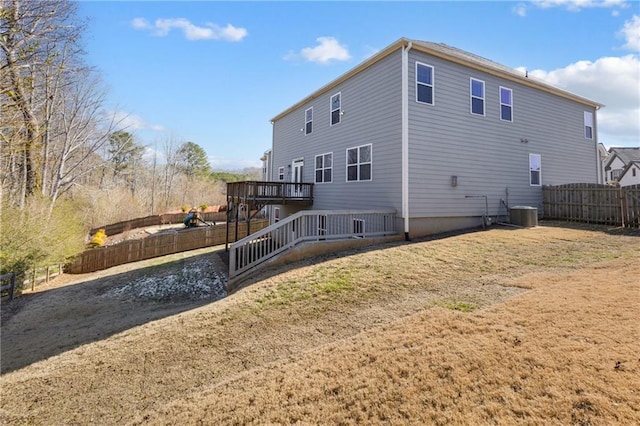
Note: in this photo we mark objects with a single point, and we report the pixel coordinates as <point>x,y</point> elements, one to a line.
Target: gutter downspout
<point>405,138</point>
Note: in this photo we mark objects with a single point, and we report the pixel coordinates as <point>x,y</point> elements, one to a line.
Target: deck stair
<point>308,226</point>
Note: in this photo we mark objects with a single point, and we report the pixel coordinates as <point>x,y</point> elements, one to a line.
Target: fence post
<point>13,285</point>
<point>622,199</point>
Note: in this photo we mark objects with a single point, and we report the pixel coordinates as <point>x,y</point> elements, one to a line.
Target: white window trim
<point>540,177</point>
<point>501,103</point>
<point>471,97</point>
<point>588,114</point>
<point>281,173</point>
<point>358,164</point>
<point>308,121</point>
<point>323,168</point>
<point>432,85</point>
<point>331,110</point>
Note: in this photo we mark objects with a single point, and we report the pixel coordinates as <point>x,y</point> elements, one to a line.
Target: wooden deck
<point>262,193</point>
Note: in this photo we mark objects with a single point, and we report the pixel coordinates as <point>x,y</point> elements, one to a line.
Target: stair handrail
<point>265,248</point>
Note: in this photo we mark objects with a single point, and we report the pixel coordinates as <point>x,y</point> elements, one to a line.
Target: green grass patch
<point>326,284</point>
<point>456,305</point>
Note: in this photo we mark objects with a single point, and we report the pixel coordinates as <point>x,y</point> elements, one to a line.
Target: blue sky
<point>215,73</point>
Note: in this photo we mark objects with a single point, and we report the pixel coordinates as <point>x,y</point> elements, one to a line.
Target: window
<point>424,83</point>
<point>506,104</point>
<point>308,121</point>
<point>477,96</point>
<point>280,173</point>
<point>588,125</point>
<point>535,166</point>
<point>276,214</point>
<point>359,163</point>
<point>615,174</point>
<point>633,172</point>
<point>324,168</point>
<point>336,112</point>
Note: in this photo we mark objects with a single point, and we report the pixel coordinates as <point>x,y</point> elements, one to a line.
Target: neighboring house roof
<point>451,54</point>
<point>628,167</point>
<point>625,154</point>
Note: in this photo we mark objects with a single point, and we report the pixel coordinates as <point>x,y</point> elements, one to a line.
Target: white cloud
<point>210,31</point>
<point>132,122</point>
<point>612,81</point>
<point>572,5</point>
<point>631,33</point>
<point>140,24</point>
<point>520,9</point>
<point>327,50</point>
<point>577,5</point>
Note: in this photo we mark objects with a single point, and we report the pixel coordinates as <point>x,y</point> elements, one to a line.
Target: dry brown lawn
<point>529,326</point>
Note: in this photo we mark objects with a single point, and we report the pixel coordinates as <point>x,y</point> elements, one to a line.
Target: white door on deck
<point>296,177</point>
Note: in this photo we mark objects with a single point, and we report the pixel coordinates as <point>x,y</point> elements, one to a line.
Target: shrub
<point>185,208</point>
<point>203,206</point>
<point>99,239</point>
<point>39,235</point>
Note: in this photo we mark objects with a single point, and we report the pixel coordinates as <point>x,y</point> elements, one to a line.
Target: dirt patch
<point>503,326</point>
<point>74,310</point>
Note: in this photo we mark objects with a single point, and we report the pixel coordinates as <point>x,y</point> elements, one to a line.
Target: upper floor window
<point>359,163</point>
<point>424,83</point>
<point>324,168</point>
<point>308,121</point>
<point>535,169</point>
<point>335,108</point>
<point>506,104</point>
<point>477,96</point>
<point>280,173</point>
<point>588,125</point>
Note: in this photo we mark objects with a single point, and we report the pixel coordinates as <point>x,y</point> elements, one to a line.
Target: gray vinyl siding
<point>371,102</point>
<point>485,153</point>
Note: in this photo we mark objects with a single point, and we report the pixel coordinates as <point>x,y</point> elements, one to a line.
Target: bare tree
<point>81,134</point>
<point>35,35</point>
<point>170,168</point>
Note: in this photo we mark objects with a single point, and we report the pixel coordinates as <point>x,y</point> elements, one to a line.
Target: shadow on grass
<point>269,272</point>
<point>607,229</point>
<point>40,325</point>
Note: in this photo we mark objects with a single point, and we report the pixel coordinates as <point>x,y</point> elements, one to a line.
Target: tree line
<point>67,163</point>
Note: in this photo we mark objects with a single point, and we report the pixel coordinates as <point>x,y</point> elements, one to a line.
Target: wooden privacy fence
<point>161,219</point>
<point>156,245</point>
<point>593,203</point>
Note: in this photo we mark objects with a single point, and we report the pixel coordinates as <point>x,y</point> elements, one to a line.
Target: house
<point>623,161</point>
<point>443,136</point>
<point>630,174</point>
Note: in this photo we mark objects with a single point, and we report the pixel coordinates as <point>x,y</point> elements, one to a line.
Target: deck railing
<point>307,226</point>
<point>271,191</point>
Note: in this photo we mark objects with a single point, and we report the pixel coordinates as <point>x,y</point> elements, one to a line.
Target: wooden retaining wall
<point>157,245</point>
<point>161,219</point>
<point>593,203</point>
